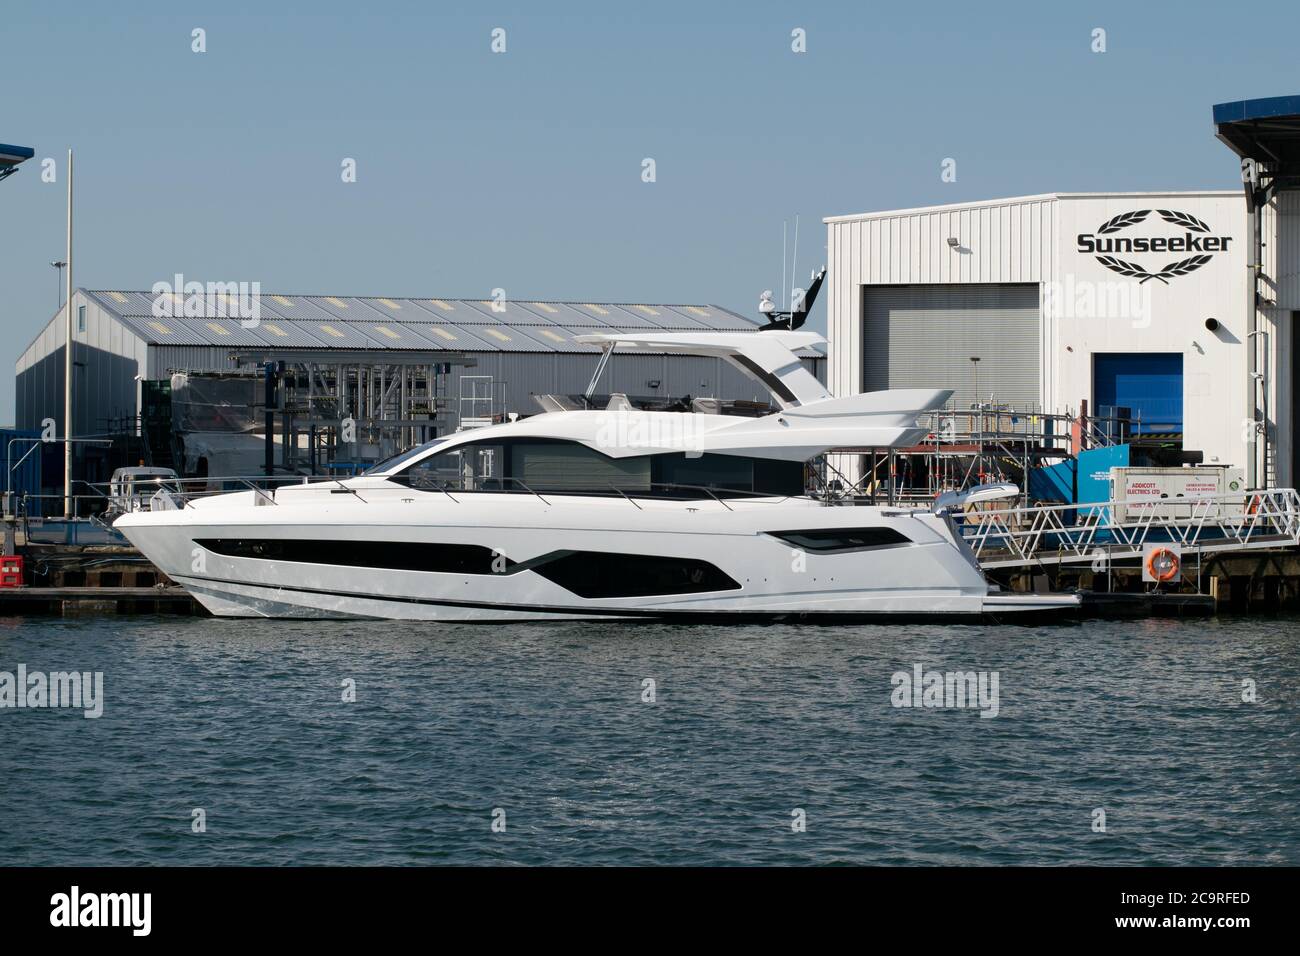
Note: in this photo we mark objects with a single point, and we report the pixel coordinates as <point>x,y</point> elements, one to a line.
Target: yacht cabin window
<point>556,466</point>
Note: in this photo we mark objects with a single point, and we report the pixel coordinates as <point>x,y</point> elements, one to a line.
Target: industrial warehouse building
<point>427,364</point>
<point>1052,326</point>
<point>1180,307</point>
<point>1068,301</point>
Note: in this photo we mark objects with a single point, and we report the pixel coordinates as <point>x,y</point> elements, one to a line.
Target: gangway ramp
<point>1045,535</point>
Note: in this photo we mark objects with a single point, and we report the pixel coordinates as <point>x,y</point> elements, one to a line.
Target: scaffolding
<point>479,398</point>
<point>310,413</point>
<point>988,443</point>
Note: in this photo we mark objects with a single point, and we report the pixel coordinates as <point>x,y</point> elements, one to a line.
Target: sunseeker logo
<point>1195,239</point>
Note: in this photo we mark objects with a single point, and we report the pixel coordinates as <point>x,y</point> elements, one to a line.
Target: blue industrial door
<point>1148,383</point>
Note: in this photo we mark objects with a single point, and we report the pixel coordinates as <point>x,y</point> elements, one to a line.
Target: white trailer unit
<point>1176,492</point>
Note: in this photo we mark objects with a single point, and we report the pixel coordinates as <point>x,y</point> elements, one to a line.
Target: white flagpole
<point>67,365</point>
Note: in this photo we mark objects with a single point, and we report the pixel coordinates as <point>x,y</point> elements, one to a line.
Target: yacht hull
<point>389,553</point>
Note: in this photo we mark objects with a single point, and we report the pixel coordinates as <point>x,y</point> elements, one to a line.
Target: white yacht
<point>598,514</point>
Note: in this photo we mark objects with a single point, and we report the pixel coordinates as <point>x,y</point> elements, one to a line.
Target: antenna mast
<point>794,260</point>
<point>784,223</point>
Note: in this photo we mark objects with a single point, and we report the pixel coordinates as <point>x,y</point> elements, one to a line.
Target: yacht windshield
<point>388,464</point>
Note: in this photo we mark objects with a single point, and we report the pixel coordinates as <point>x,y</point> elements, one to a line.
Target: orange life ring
<point>1162,564</point>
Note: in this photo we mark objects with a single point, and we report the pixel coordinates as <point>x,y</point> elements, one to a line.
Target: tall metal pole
<point>1253,176</point>
<point>1252,304</point>
<point>67,363</point>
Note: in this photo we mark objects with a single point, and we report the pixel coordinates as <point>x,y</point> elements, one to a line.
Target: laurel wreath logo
<point>1123,221</point>
<point>1132,269</point>
<point>1183,219</point>
<point>1173,269</point>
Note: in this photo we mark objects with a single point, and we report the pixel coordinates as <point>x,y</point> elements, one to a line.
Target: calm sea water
<point>1143,720</point>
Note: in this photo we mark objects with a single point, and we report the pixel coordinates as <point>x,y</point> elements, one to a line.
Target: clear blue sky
<point>522,170</point>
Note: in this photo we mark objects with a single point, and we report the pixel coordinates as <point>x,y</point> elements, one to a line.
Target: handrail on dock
<point>1084,532</point>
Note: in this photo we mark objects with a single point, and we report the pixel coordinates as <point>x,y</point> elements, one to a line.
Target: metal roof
<point>13,155</point>
<point>1265,130</point>
<point>1269,106</point>
<point>382,323</point>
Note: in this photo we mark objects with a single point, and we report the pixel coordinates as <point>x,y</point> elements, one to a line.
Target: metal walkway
<point>1088,533</point>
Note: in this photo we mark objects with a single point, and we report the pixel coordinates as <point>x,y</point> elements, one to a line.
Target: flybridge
<point>765,356</point>
<point>1188,242</point>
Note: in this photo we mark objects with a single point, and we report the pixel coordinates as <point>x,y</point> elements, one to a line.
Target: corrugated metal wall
<point>165,359</point>
<point>1280,228</point>
<point>924,336</point>
<point>1005,241</point>
<point>110,356</point>
<point>107,358</point>
<point>1282,224</point>
<point>517,376</point>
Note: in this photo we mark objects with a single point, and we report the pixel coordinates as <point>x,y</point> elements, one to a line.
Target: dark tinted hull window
<point>596,574</point>
<point>832,540</point>
<point>588,574</point>
<point>389,555</point>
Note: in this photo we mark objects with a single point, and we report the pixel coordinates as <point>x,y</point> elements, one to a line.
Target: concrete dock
<point>98,600</point>
<point>1102,604</point>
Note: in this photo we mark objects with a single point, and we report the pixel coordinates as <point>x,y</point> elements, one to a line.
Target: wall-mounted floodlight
<point>12,156</point>
<point>953,242</point>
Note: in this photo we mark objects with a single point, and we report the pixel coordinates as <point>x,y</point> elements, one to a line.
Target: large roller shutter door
<point>923,336</point>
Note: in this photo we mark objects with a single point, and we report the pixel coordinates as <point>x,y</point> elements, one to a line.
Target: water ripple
<point>750,727</point>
